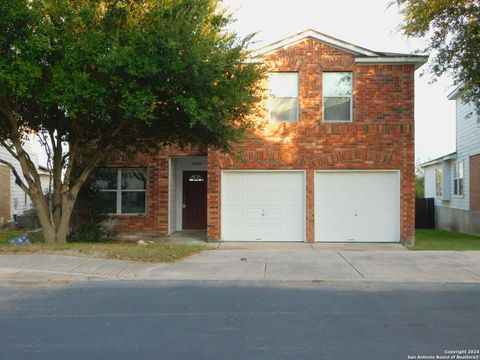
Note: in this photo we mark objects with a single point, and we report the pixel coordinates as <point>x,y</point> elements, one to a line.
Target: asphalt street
<point>202,320</point>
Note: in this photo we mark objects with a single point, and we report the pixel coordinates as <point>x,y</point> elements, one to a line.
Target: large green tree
<point>96,76</point>
<point>452,30</point>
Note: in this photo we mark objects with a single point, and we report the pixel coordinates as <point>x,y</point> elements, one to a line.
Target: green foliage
<point>8,234</point>
<point>92,229</point>
<point>453,31</point>
<point>419,182</point>
<point>159,71</point>
<point>419,187</point>
<point>90,218</point>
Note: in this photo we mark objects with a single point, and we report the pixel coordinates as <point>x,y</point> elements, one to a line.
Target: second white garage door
<point>263,206</point>
<point>361,206</point>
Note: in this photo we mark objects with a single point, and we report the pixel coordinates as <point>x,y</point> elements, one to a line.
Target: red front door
<point>194,200</point>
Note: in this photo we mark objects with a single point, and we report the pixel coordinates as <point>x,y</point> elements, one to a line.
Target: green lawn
<point>155,252</point>
<point>6,235</point>
<point>433,239</point>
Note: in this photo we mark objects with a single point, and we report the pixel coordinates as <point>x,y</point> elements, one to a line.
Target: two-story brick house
<point>332,160</point>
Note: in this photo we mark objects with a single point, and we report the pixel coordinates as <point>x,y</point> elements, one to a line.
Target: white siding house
<point>18,201</point>
<point>454,179</point>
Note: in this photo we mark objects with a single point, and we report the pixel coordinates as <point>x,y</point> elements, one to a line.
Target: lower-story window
<point>122,191</point>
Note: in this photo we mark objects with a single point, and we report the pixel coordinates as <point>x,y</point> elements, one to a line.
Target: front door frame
<point>196,206</point>
<point>176,165</point>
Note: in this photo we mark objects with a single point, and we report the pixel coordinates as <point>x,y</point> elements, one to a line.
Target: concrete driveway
<point>268,262</point>
<point>323,262</point>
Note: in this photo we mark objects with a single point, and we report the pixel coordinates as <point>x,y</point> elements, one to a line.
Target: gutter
<point>418,61</point>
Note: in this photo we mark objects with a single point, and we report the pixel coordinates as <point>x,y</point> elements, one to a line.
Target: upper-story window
<point>337,96</point>
<point>283,96</point>
<point>458,179</point>
<point>438,181</point>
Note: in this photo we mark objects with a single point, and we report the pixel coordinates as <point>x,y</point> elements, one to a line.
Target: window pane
<point>107,201</point>
<point>460,187</point>
<point>336,108</point>
<point>133,202</point>
<point>196,178</point>
<point>283,109</point>
<point>455,187</point>
<point>283,84</point>
<point>337,84</point>
<point>134,179</point>
<point>106,179</point>
<point>460,170</point>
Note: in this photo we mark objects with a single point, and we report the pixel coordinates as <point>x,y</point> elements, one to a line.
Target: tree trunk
<point>48,233</point>
<point>54,229</point>
<point>53,236</point>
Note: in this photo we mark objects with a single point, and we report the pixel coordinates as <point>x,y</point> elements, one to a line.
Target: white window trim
<point>119,192</point>
<point>455,171</point>
<point>270,120</point>
<point>323,102</point>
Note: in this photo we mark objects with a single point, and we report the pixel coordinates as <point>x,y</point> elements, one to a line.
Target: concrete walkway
<point>266,262</point>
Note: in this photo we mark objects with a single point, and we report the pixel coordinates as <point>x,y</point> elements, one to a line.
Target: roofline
<point>417,60</point>
<point>440,159</point>
<point>455,93</point>
<point>316,35</point>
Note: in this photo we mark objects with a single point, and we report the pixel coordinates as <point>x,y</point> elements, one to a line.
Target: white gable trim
<point>315,35</point>
<point>418,60</point>
<point>448,157</point>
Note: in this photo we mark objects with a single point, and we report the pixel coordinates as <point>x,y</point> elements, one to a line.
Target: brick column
<point>213,197</point>
<point>310,206</point>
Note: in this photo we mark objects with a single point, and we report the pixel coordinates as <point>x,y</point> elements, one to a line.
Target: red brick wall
<point>155,219</point>
<point>475,183</point>
<point>381,135</point>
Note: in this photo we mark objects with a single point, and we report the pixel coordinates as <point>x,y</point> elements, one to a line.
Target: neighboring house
<point>13,200</point>
<point>454,179</point>
<point>333,161</point>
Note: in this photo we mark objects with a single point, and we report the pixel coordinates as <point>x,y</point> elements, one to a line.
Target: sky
<point>371,24</point>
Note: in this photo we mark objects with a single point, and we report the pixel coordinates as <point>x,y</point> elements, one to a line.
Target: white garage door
<point>359,206</point>
<point>263,206</point>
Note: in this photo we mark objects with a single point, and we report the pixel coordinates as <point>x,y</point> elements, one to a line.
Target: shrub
<point>89,223</point>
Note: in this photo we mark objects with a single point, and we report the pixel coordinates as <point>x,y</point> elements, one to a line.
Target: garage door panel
<point>357,206</point>
<point>250,195</point>
<point>272,197</point>
<point>272,206</point>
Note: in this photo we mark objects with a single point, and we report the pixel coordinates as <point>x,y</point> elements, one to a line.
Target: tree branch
<point>9,149</point>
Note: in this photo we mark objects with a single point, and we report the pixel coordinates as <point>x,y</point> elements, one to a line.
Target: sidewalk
<point>264,262</point>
